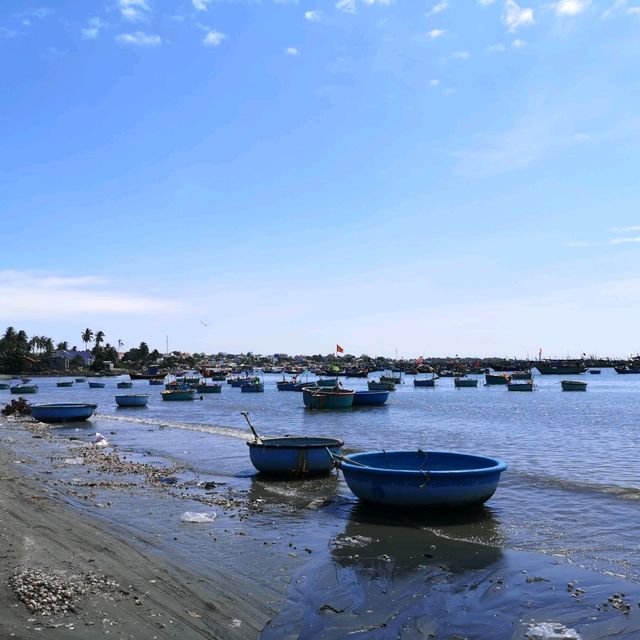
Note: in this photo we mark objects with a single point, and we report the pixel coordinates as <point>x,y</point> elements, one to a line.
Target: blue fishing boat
<point>177,394</point>
<point>465,382</point>
<point>68,412</point>
<point>238,382</point>
<point>325,398</point>
<point>425,382</point>
<point>573,385</point>
<point>24,388</point>
<point>133,400</point>
<point>252,387</point>
<point>327,382</point>
<point>493,379</point>
<point>209,388</point>
<point>370,398</point>
<point>156,381</point>
<point>80,379</point>
<point>96,385</point>
<point>4,385</point>
<point>124,384</point>
<point>422,479</point>
<point>520,386</point>
<point>64,383</point>
<point>380,385</point>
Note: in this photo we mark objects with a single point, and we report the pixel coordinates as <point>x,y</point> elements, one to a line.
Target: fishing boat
<point>491,379</point>
<point>520,386</point>
<point>255,386</point>
<point>177,394</point>
<point>370,398</point>
<point>292,455</point>
<point>24,388</point>
<point>124,384</point>
<point>626,370</point>
<point>68,412</point>
<point>391,378</point>
<point>425,382</point>
<point>325,398</point>
<point>208,388</point>
<point>379,385</point>
<point>156,381</point>
<point>238,382</point>
<point>327,382</point>
<point>465,382</point>
<point>521,375</point>
<point>64,383</point>
<point>595,372</point>
<point>96,385</point>
<point>4,385</point>
<point>133,400</point>
<point>573,385</point>
<point>80,380</point>
<point>560,369</point>
<point>422,479</point>
<point>176,385</point>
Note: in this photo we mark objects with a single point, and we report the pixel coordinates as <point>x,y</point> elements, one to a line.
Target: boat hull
<point>62,412</point>
<point>133,400</point>
<point>422,479</point>
<point>209,388</point>
<point>294,456</point>
<point>465,382</point>
<point>370,398</point>
<point>375,385</point>
<point>572,385</point>
<point>65,384</point>
<point>523,386</point>
<point>252,388</point>
<point>96,385</point>
<point>124,385</point>
<point>24,388</point>
<point>324,399</point>
<point>429,382</point>
<point>491,379</point>
<point>172,396</point>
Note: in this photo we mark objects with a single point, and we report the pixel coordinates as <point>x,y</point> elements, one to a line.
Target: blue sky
<point>436,178</point>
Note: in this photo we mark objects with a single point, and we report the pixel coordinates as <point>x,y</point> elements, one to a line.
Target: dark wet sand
<point>363,575</point>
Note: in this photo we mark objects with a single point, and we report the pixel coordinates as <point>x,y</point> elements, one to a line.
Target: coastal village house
<point>61,360</point>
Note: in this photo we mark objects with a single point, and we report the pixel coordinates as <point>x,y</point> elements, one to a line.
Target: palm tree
<point>98,339</point>
<point>86,336</point>
<point>62,346</point>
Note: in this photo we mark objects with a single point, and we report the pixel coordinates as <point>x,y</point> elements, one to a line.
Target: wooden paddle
<point>255,433</point>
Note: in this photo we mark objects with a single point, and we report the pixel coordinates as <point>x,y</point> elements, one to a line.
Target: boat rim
<point>63,405</point>
<point>288,442</point>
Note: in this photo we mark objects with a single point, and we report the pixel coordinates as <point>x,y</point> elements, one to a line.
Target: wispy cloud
<point>514,17</point>
<point>134,10</point>
<point>139,39</point>
<point>496,48</point>
<point>632,239</point>
<point>621,7</point>
<point>441,6</point>
<point>291,51</point>
<point>461,55</point>
<point>214,39</point>
<point>26,17</point>
<point>33,294</point>
<point>313,16</point>
<point>625,229</point>
<point>201,5</point>
<point>348,6</point>
<point>93,30</point>
<point>7,33</point>
<point>571,7</point>
<point>435,33</point>
<point>518,43</point>
<point>382,3</point>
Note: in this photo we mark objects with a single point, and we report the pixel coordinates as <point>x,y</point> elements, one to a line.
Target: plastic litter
<point>100,441</point>
<point>78,460</point>
<point>551,631</point>
<point>193,516</point>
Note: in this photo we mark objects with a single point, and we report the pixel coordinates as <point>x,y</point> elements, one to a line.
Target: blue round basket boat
<point>68,412</point>
<point>132,400</point>
<point>423,479</point>
<point>294,456</point>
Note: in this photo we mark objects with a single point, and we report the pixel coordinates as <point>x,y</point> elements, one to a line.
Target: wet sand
<point>281,560</point>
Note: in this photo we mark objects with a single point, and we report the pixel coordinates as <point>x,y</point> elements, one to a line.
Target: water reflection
<point>310,493</point>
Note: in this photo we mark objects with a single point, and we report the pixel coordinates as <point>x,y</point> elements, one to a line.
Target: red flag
<point>339,349</point>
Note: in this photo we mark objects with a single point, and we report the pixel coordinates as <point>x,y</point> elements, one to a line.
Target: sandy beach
<point>92,545</point>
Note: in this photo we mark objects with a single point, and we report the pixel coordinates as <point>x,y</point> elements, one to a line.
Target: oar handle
<point>255,433</point>
<point>337,458</point>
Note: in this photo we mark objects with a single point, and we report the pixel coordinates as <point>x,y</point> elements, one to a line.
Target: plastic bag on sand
<point>551,631</point>
<point>78,460</point>
<point>193,516</point>
<point>99,441</point>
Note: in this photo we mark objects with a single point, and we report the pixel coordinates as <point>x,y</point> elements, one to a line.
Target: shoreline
<point>276,563</point>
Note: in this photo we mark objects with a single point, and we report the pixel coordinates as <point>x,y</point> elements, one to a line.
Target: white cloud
<point>313,16</point>
<point>291,51</point>
<point>518,43</point>
<point>93,30</point>
<point>7,33</point>
<point>434,82</point>
<point>139,39</point>
<point>461,55</point>
<point>514,17</point>
<point>571,7</point>
<point>214,39</point>
<point>385,3</point>
<point>495,48</point>
<point>625,229</point>
<point>633,239</point>
<point>486,3</point>
<point>435,33</point>
<point>348,6</point>
<point>634,11</point>
<point>133,10</point>
<point>34,294</point>
<point>201,5</point>
<point>441,6</point>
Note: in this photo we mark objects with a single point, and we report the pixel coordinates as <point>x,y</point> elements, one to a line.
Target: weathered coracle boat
<point>178,394</point>
<point>325,398</point>
<point>422,479</point>
<point>133,400</point>
<point>520,386</point>
<point>64,383</point>
<point>491,379</point>
<point>252,387</point>
<point>293,455</point>
<point>425,382</point>
<point>370,398</point>
<point>66,412</point>
<point>573,385</point>
<point>96,385</point>
<point>559,369</point>
<point>465,382</point>
<point>24,388</point>
<point>209,388</point>
<point>124,384</point>
<point>379,385</point>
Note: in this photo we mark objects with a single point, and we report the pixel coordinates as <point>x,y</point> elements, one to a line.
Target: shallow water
<point>571,492</point>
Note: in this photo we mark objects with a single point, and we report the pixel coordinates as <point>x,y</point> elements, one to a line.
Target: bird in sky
<point>206,324</point>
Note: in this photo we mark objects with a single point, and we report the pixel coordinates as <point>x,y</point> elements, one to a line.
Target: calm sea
<point>572,489</point>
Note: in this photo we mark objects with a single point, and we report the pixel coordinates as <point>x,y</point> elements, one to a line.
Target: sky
<point>452,177</point>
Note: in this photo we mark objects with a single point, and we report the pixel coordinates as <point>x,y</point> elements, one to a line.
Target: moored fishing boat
<point>177,394</point>
<point>209,388</point>
<point>238,382</point>
<point>379,385</point>
<point>521,375</point>
<point>491,379</point>
<point>520,386</point>
<point>465,382</point>
<point>81,380</point>
<point>4,386</point>
<point>325,398</point>
<point>389,377</point>
<point>64,383</point>
<point>370,398</point>
<point>327,382</point>
<point>24,388</point>
<point>425,382</point>
<point>156,381</point>
<point>422,479</point>
<point>573,385</point>
<point>66,412</point>
<point>96,385</point>
<point>255,386</point>
<point>124,384</point>
<point>595,372</point>
<point>553,368</point>
<point>626,370</point>
<point>132,400</point>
